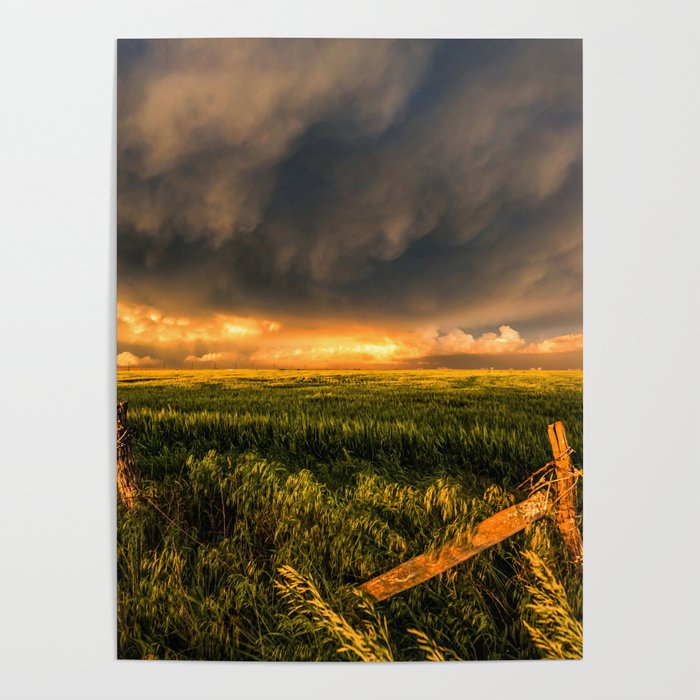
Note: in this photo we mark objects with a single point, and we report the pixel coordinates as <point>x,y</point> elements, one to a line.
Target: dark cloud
<point>399,181</point>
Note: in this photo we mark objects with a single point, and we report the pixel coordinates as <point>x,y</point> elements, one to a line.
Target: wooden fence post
<point>566,491</point>
<point>127,475</point>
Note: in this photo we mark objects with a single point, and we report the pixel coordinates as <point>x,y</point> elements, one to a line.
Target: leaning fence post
<point>566,491</point>
<point>127,475</point>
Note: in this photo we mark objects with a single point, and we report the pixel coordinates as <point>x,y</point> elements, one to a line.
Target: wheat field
<point>267,496</point>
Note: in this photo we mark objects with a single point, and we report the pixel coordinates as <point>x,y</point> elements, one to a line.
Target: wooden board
<point>488,533</point>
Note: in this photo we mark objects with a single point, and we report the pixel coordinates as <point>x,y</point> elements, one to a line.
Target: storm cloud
<point>327,184</point>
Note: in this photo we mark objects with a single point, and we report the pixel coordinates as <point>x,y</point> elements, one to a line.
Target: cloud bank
<point>128,359</point>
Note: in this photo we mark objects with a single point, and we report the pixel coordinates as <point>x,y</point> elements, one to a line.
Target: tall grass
<point>268,496</point>
<point>370,642</point>
<point>554,628</point>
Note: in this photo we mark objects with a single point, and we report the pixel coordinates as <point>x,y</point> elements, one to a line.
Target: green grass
<point>270,495</point>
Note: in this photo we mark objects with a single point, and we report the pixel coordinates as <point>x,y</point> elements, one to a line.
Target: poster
<point>349,310</point>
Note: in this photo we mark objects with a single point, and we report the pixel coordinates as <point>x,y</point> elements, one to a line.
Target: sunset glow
<point>230,341</point>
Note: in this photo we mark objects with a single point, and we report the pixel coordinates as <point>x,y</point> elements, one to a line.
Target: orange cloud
<point>560,343</point>
<point>227,339</point>
<point>128,359</point>
<point>507,340</point>
<point>148,325</point>
<point>327,351</point>
<point>210,357</point>
<point>457,342</point>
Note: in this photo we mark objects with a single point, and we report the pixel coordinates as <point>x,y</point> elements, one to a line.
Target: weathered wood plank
<point>566,491</point>
<point>488,533</point>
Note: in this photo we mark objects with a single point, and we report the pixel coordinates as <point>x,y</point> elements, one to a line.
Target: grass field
<point>269,495</point>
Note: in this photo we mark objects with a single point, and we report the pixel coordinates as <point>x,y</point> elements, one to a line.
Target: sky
<point>323,203</point>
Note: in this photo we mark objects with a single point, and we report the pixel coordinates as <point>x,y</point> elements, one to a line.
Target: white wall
<point>57,348</point>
